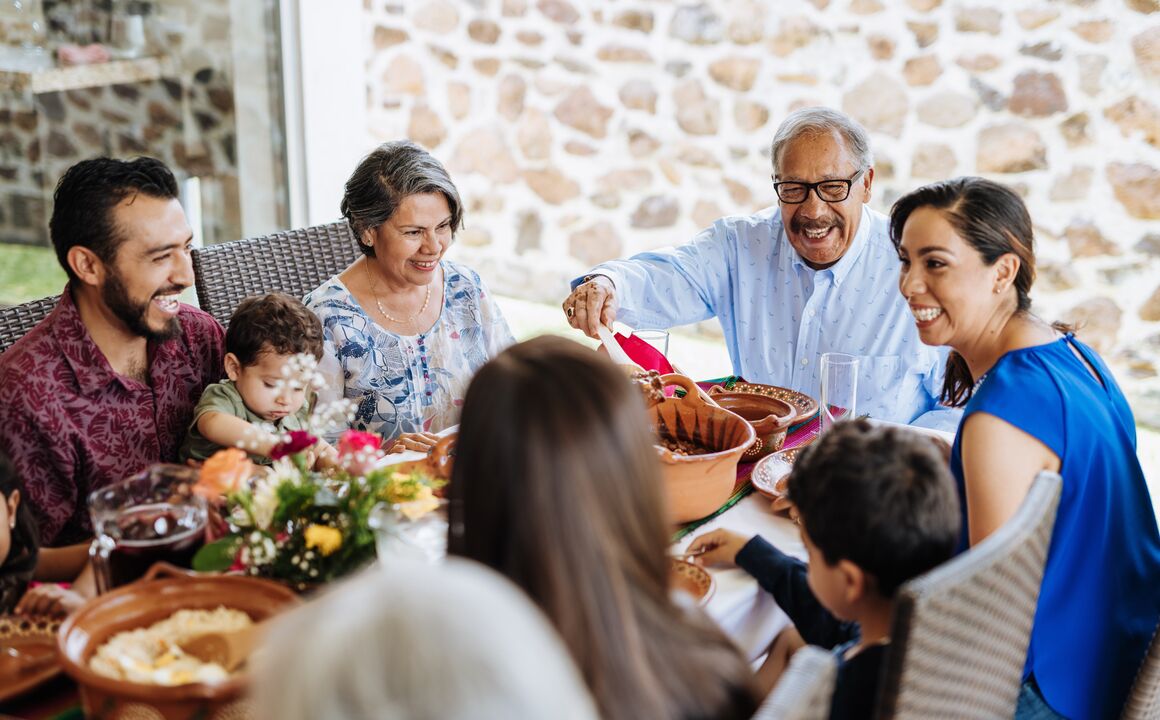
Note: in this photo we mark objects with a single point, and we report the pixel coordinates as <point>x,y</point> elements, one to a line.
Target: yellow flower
<point>323,537</point>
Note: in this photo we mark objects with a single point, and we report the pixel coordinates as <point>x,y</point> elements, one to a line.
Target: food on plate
<point>151,655</point>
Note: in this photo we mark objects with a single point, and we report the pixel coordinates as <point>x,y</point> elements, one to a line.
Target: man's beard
<point>116,297</point>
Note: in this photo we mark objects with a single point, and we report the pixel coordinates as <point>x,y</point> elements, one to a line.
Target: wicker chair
<point>1144,700</point>
<point>17,320</point>
<point>961,631</point>
<point>805,689</point>
<point>294,262</point>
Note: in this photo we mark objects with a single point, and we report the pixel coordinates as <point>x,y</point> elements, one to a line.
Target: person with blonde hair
<point>416,641</point>
<point>563,496</point>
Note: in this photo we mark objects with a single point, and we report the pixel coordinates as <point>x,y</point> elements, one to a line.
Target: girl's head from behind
<point>17,527</point>
<point>567,484</point>
<point>556,484</point>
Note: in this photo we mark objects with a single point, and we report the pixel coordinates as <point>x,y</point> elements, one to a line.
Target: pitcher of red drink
<point>152,516</point>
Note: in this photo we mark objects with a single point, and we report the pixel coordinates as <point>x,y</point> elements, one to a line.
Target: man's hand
<point>720,547</point>
<point>590,305</point>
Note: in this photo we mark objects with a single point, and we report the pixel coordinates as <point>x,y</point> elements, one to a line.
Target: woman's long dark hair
<point>992,219</point>
<point>556,484</point>
<point>23,547</point>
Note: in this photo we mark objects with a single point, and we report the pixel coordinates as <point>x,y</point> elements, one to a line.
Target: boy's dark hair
<point>881,497</point>
<point>22,550</point>
<point>85,198</point>
<point>274,322</point>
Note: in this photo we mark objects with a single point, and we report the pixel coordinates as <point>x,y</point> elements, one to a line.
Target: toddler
<point>263,396</point>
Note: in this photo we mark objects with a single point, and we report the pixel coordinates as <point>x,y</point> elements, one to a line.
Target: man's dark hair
<point>881,497</point>
<point>82,211</point>
<point>274,322</point>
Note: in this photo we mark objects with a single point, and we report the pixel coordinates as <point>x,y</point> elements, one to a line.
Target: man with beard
<point>106,384</point>
<point>815,274</point>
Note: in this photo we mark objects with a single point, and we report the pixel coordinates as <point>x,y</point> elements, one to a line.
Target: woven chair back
<point>805,689</point>
<point>1144,700</point>
<point>17,320</point>
<point>961,631</point>
<point>294,262</point>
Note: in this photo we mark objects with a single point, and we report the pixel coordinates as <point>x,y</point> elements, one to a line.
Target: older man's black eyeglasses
<point>795,193</point>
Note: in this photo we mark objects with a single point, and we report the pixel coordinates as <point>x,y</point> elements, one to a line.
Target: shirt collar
<point>839,270</point>
<point>89,365</point>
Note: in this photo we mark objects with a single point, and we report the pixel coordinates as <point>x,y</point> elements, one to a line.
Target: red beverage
<point>147,534</point>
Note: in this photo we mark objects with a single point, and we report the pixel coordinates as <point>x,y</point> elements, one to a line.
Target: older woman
<point>563,496</point>
<point>405,329</point>
<point>1036,399</point>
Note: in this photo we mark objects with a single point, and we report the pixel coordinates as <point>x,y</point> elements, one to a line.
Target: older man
<point>106,384</point>
<point>815,274</point>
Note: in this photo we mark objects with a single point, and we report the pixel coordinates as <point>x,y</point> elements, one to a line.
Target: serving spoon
<point>229,649</point>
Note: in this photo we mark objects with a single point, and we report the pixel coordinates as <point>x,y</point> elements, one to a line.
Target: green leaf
<point>217,556</point>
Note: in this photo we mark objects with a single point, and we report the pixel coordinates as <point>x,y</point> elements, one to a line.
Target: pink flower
<point>359,451</point>
<point>298,441</point>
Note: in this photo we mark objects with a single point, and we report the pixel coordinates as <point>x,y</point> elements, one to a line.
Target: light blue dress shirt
<point>779,315</point>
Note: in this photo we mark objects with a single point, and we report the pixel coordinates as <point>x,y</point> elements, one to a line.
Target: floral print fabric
<point>408,383</point>
<point>71,425</point>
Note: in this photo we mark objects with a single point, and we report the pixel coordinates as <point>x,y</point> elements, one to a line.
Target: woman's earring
<point>998,289</point>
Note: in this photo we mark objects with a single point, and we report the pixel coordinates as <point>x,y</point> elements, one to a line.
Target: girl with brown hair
<point>556,485</point>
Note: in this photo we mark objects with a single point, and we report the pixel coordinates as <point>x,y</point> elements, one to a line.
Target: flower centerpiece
<point>300,525</point>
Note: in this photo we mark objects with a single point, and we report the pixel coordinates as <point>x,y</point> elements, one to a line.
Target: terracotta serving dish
<point>696,485</point>
<point>769,416</point>
<point>164,590</point>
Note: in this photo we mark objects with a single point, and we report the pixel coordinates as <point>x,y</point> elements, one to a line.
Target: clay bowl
<point>148,601</point>
<point>696,485</point>
<point>769,417</point>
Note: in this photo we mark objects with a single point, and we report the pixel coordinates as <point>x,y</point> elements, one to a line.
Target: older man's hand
<point>591,304</point>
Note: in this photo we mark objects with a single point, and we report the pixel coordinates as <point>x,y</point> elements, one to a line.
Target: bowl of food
<point>769,416</point>
<point>700,445</point>
<point>122,648</point>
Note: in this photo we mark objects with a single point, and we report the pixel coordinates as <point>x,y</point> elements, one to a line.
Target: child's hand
<point>719,547</point>
<point>52,600</point>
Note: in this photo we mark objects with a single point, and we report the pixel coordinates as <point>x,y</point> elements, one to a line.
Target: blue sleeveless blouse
<point>1100,599</point>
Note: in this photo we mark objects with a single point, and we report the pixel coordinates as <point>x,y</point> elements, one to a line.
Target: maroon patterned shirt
<point>72,425</point>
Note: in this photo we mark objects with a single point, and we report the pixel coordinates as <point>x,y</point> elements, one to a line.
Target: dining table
<point>737,604</point>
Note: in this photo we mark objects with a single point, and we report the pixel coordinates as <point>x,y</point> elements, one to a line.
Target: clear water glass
<point>659,339</point>
<point>839,388</point>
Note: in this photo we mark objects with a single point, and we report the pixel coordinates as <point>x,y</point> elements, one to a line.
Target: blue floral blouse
<point>408,383</point>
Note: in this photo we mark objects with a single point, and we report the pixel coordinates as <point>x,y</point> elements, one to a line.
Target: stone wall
<point>185,118</point>
<point>580,131</point>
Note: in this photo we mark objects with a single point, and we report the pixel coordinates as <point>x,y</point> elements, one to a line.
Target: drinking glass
<point>400,533</point>
<point>152,516</point>
<point>659,339</point>
<point>839,388</point>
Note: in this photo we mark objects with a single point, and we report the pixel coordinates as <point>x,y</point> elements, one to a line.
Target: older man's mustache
<point>799,225</point>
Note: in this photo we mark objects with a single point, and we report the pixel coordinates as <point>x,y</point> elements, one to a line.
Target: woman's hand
<point>719,547</point>
<point>420,441</point>
<point>51,600</point>
<point>591,304</point>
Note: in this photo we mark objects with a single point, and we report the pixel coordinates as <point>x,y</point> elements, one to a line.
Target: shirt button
<point>812,312</point>
<point>805,361</point>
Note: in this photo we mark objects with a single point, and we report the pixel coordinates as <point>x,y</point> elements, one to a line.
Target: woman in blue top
<point>1036,399</point>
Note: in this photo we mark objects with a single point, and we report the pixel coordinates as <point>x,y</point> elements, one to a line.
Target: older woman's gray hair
<point>392,172</point>
<point>414,641</point>
<point>822,121</point>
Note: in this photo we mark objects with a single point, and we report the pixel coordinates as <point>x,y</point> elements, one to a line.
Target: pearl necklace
<point>379,304</point>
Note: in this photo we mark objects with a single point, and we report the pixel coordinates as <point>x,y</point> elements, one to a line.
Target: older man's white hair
<point>822,121</point>
<point>412,641</point>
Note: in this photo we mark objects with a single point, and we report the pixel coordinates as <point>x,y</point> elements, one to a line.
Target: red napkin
<point>643,354</point>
